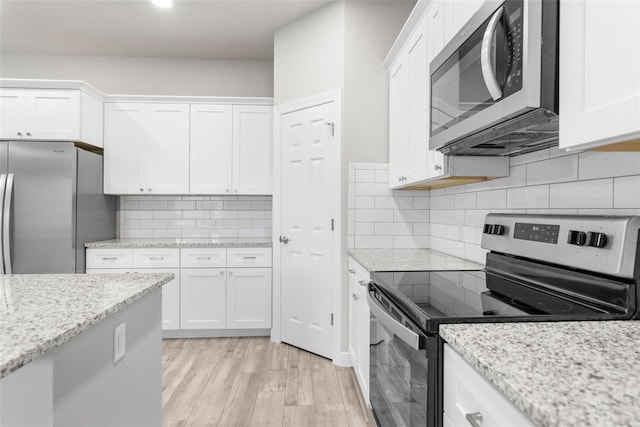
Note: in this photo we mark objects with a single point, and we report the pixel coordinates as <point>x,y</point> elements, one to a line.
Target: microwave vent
<point>535,130</point>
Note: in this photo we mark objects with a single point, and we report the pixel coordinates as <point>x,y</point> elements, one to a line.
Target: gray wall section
<point>89,389</point>
<point>148,76</point>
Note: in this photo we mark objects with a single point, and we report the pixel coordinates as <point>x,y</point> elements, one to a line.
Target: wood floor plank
<point>331,415</point>
<point>357,414</point>
<point>208,409</point>
<point>210,352</point>
<point>274,380</point>
<point>325,382</point>
<point>299,416</point>
<point>175,370</point>
<point>239,407</point>
<point>278,356</point>
<point>237,347</point>
<point>269,409</point>
<point>257,350</point>
<point>186,395</point>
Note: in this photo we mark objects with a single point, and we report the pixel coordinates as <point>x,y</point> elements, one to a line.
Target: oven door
<point>477,79</point>
<point>402,388</point>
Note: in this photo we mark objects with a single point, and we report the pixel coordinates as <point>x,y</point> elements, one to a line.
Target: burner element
<point>544,305</point>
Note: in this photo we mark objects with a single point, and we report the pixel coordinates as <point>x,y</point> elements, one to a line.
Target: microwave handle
<point>485,56</point>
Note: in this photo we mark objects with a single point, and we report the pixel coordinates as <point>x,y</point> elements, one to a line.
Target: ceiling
<point>211,29</point>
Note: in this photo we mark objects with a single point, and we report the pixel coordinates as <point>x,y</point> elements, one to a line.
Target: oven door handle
<point>392,325</point>
<point>488,74</point>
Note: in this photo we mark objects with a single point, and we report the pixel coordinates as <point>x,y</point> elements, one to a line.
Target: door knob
<point>284,239</point>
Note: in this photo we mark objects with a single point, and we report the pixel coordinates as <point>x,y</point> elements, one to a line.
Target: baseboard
<point>215,333</point>
<point>343,359</point>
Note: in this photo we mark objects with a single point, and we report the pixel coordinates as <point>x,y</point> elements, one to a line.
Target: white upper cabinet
<point>51,115</point>
<point>146,148</point>
<point>411,163</point>
<point>252,149</point>
<point>211,149</point>
<point>168,148</point>
<point>231,149</point>
<point>600,74</point>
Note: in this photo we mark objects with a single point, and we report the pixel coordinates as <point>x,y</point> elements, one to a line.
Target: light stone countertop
<point>244,242</point>
<point>39,312</point>
<point>561,373</point>
<point>410,260</point>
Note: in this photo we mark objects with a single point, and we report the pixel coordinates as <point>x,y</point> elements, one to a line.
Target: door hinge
<point>332,222</point>
<point>332,128</point>
<point>332,319</point>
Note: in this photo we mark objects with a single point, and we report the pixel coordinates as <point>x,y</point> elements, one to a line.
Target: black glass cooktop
<point>437,297</point>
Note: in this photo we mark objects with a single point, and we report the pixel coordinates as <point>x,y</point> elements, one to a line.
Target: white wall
<point>308,55</point>
<point>148,76</point>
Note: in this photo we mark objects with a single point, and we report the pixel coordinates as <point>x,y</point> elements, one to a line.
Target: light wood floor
<point>254,382</point>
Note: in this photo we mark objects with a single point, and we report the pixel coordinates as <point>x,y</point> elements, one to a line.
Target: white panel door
<point>13,105</point>
<point>125,148</point>
<point>211,149</point>
<point>252,149</point>
<point>203,298</point>
<point>599,72</point>
<point>53,114</point>
<point>307,199</point>
<point>168,149</point>
<point>249,298</point>
<point>398,123</point>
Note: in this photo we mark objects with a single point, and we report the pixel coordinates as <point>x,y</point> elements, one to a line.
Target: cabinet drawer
<point>156,258</point>
<point>203,258</point>
<point>249,257</point>
<point>110,258</point>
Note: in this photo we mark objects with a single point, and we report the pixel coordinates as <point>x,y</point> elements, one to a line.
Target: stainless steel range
<point>539,268</point>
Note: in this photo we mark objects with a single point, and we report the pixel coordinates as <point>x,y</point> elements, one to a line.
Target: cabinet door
<point>125,144</point>
<point>211,149</point>
<point>13,104</point>
<point>168,148</point>
<point>459,12</point>
<point>203,298</point>
<point>252,149</point>
<point>170,297</point>
<point>418,96</point>
<point>53,114</point>
<point>436,38</point>
<point>249,298</point>
<point>354,319</point>
<point>398,123</point>
<point>599,72</point>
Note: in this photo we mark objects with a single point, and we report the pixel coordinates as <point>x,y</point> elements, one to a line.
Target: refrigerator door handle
<point>3,183</point>
<point>6,224</point>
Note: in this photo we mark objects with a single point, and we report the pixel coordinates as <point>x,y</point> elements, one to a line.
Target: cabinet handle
<point>352,271</point>
<point>474,419</point>
<point>363,282</point>
<point>203,258</point>
<point>355,296</point>
<point>29,134</point>
<point>227,190</point>
<point>437,167</point>
<point>142,189</point>
<point>20,134</point>
<point>249,257</point>
<point>156,258</point>
<point>230,273</point>
<point>222,273</point>
<point>109,258</point>
<point>149,190</point>
<point>235,190</point>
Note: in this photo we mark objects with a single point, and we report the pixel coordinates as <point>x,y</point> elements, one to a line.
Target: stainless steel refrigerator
<point>51,204</point>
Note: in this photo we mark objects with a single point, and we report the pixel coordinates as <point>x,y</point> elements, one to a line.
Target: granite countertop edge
<point>422,259</point>
<point>150,243</point>
<point>42,348</point>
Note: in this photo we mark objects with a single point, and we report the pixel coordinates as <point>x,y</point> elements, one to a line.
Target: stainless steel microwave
<point>494,87</point>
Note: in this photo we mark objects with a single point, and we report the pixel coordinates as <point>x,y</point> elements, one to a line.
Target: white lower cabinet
<point>205,294</point>
<point>359,325</point>
<point>469,399</point>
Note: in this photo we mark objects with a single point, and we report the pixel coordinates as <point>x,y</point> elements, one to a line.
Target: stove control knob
<point>488,229</point>
<point>578,238</point>
<point>597,240</point>
<point>498,229</point>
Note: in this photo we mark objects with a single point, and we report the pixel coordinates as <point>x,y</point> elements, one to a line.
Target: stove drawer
<point>470,400</point>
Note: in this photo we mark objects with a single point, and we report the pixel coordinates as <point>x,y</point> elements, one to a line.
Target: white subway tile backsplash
<point>560,169</point>
<point>195,233</point>
<point>594,164</point>
<point>365,175</point>
<point>528,197</point>
<point>626,192</point>
<point>223,214</point>
<point>393,229</point>
<point>450,216</point>
<point>365,202</point>
<point>410,242</point>
<point>464,201</point>
<point>386,202</point>
<point>442,202</point>
<point>182,205</point>
<point>374,215</point>
<point>364,229</point>
<point>410,215</point>
<point>494,199</point>
<point>582,194</point>
<point>251,214</point>
<point>138,214</point>
<point>167,214</point>
<point>372,242</point>
<point>421,229</point>
<point>421,203</point>
<point>372,189</point>
<point>382,175</point>
<point>210,204</point>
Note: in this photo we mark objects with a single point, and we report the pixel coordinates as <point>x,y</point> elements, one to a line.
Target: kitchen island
<point>561,373</point>
<point>58,364</point>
